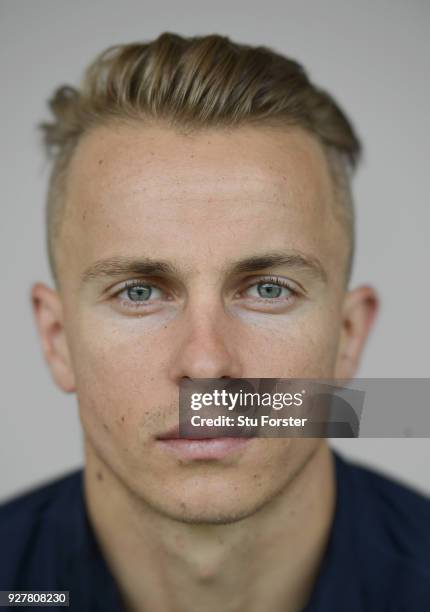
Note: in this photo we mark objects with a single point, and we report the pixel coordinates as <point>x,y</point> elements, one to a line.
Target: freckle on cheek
<point>99,476</point>
<point>105,426</point>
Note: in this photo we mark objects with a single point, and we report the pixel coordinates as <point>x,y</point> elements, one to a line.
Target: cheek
<point>121,368</point>
<point>117,374</point>
<point>303,344</point>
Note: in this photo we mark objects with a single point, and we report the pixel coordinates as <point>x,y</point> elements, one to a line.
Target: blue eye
<point>271,290</point>
<point>139,293</point>
<point>136,294</point>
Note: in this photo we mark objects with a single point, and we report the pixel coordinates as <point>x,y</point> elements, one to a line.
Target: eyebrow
<point>145,266</point>
<point>299,261</point>
<point>119,266</point>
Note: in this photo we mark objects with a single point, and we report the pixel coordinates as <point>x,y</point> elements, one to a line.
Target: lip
<point>203,449</point>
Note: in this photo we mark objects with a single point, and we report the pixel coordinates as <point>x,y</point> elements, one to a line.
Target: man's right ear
<point>48,313</point>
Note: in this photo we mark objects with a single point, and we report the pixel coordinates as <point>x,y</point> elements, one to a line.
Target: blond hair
<point>193,83</point>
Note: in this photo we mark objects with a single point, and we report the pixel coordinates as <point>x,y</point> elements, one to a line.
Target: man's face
<point>200,204</point>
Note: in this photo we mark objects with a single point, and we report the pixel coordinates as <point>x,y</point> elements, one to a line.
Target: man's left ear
<point>359,310</point>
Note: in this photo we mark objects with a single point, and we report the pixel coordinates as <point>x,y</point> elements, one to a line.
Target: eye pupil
<point>269,290</point>
<point>138,293</point>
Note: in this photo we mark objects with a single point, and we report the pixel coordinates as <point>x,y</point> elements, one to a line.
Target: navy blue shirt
<point>377,558</point>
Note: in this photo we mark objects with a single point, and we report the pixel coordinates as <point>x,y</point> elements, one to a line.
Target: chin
<point>209,513</point>
<point>209,500</point>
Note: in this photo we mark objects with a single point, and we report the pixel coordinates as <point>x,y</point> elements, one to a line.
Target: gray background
<point>373,55</point>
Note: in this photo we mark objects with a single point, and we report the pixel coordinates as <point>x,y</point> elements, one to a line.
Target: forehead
<point>134,190</point>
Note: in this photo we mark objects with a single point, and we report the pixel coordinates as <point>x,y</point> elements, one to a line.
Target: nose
<point>207,347</point>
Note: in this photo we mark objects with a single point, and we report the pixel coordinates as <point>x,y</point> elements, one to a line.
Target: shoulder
<point>31,525</point>
<point>34,505</point>
<point>394,517</point>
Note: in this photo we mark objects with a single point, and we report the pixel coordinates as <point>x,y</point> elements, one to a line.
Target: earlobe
<point>48,313</point>
<point>359,310</point>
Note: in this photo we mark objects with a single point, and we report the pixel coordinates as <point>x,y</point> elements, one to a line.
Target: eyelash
<point>269,279</point>
<point>129,285</point>
<point>274,280</point>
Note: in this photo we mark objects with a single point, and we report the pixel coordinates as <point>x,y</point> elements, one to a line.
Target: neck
<point>267,561</point>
